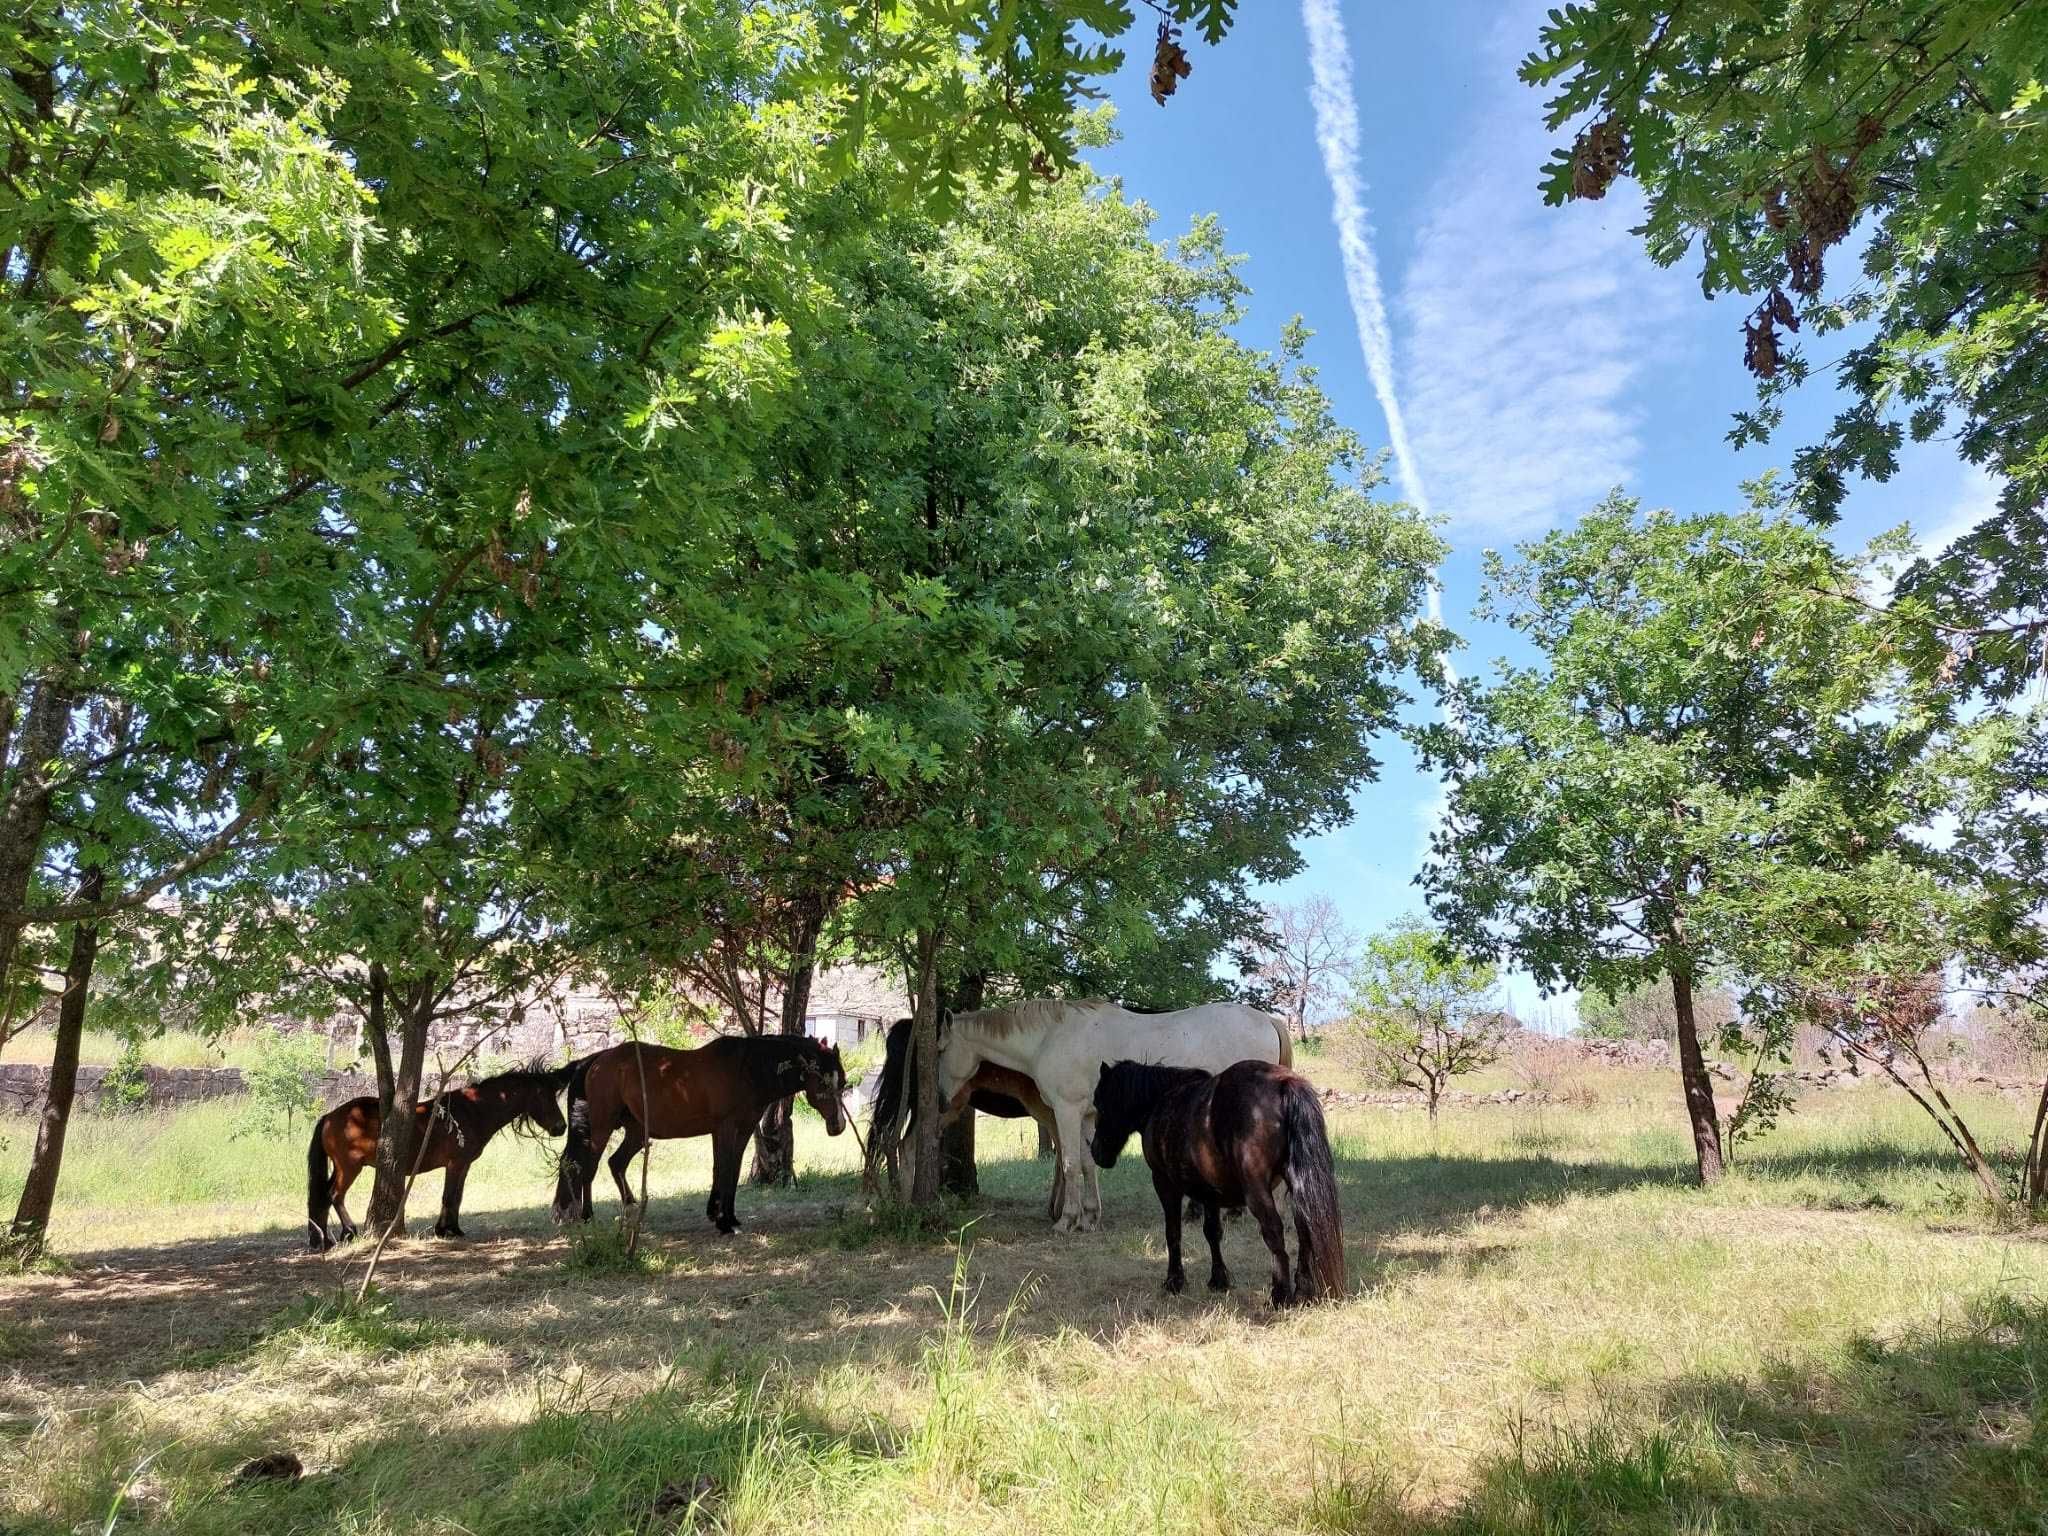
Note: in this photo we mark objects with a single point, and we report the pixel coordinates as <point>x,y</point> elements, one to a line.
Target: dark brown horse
<point>1228,1140</point>
<point>718,1090</point>
<point>463,1120</point>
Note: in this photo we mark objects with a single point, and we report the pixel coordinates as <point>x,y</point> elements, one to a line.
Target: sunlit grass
<point>1549,1331</point>
<point>175,1048</point>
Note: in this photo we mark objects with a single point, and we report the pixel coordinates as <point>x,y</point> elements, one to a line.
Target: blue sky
<point>1536,356</point>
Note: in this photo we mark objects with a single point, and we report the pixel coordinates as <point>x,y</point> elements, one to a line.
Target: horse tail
<point>1286,1039</point>
<point>576,1149</point>
<point>889,1098</point>
<point>318,1184</point>
<point>1312,1182</point>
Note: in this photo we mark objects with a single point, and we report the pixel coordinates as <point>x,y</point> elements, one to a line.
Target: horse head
<point>824,1078</point>
<point>542,1109</point>
<point>1116,1114</point>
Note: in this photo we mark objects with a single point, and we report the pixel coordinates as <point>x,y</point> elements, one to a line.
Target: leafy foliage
<point>1644,1012</point>
<point>125,1085</point>
<point>1711,719</point>
<point>280,1080</point>
<point>1422,1014</point>
<point>1765,136</point>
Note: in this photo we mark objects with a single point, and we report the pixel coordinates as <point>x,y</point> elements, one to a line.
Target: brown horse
<point>462,1120</point>
<point>718,1090</point>
<point>1229,1139</point>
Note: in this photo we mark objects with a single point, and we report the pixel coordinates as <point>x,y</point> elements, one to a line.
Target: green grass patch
<point>607,1248</point>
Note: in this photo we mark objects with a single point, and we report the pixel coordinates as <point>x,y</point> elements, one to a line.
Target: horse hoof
<point>348,1234</point>
<point>1175,1284</point>
<point>1219,1282</point>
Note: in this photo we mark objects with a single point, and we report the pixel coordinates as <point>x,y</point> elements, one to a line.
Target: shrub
<point>280,1082</point>
<point>126,1085</point>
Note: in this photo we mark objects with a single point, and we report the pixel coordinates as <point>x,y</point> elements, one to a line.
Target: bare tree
<point>1303,966</point>
<point>1884,1022</point>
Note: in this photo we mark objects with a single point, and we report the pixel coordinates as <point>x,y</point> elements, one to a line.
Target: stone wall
<point>23,1086</point>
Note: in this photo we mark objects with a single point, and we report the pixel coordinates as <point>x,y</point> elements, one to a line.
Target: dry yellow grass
<point>1547,1331</point>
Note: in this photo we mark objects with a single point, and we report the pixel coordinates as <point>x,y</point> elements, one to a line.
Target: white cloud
<point>1976,499</point>
<point>1529,332</point>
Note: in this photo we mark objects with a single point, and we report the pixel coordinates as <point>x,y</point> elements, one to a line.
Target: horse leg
<point>450,1224</point>
<point>728,1144</point>
<point>1091,1197</point>
<point>1072,1149</point>
<point>622,1160</point>
<point>1169,1204</point>
<point>1056,1196</point>
<point>343,1177</point>
<point>1212,1229</point>
<point>1091,1186</point>
<point>1259,1199</point>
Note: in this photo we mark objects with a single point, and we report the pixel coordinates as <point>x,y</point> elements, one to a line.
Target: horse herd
<point>1223,1120</point>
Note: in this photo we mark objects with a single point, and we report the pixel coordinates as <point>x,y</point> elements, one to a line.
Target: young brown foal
<point>461,1120</point>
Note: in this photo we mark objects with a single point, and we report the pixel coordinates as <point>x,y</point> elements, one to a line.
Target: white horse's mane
<point>1038,1013</point>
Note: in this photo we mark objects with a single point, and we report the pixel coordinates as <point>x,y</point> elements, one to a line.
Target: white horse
<point>1063,1046</point>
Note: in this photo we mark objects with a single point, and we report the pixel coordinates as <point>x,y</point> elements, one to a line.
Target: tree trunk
<point>379,1039</point>
<point>25,814</point>
<point>1699,1087</point>
<point>39,1191</point>
<point>957,1172</point>
<point>395,1141</point>
<point>775,1139</point>
<point>924,1035</point>
<point>2036,1172</point>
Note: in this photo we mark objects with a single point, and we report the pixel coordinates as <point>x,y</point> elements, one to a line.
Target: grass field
<point>1548,1332</point>
<point>173,1048</point>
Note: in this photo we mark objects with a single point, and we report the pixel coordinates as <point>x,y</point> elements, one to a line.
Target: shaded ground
<point>1548,1330</point>
<point>804,1274</point>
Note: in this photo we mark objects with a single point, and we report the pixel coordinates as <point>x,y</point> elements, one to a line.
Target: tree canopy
<point>1708,713</point>
<point>1871,171</point>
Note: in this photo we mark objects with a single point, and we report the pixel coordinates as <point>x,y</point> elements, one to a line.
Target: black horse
<point>1228,1140</point>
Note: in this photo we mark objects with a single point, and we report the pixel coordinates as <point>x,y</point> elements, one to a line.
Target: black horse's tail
<point>1312,1183</point>
<point>318,1186</point>
<point>888,1103</point>
<point>576,1150</point>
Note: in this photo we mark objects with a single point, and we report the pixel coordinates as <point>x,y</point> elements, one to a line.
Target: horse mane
<point>535,1071</point>
<point>1126,1092</point>
<point>1007,1019</point>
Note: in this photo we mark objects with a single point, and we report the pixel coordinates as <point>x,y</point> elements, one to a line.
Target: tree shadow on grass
<point>1939,1431</point>
<point>808,1280</point>
<point>688,1455</point>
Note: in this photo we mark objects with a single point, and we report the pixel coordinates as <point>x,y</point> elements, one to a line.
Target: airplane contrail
<point>1329,57</point>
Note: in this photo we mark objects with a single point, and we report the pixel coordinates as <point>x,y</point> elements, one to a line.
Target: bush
<point>280,1082</point>
<point>126,1085</point>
